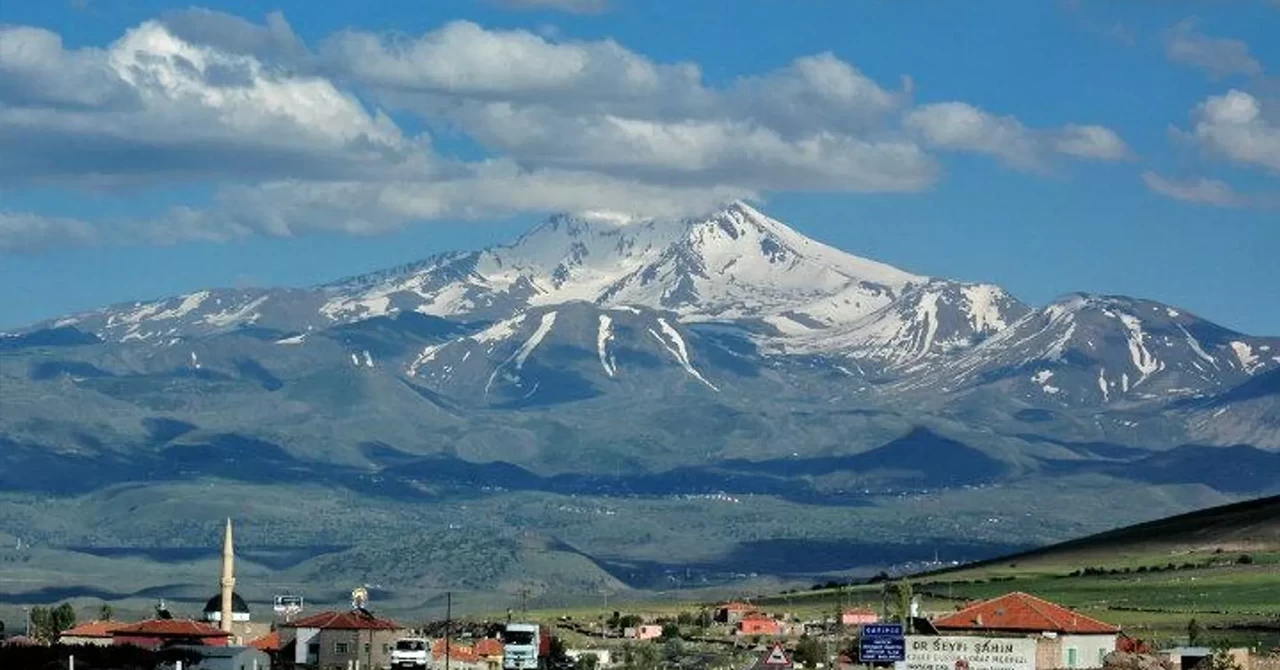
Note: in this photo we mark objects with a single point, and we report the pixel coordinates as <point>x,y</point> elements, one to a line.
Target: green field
<point>1220,567</point>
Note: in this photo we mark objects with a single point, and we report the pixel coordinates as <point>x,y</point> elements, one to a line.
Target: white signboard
<point>928,652</point>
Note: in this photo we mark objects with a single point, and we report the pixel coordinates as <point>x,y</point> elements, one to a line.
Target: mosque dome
<point>239,608</point>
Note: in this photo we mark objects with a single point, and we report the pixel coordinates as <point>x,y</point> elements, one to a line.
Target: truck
<point>525,646</point>
<point>411,652</point>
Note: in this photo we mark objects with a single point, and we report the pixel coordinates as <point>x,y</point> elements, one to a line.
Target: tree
<point>1194,632</point>
<point>670,632</point>
<point>640,657</point>
<point>105,612</point>
<point>587,662</point>
<point>809,652</point>
<point>901,594</point>
<point>47,624</point>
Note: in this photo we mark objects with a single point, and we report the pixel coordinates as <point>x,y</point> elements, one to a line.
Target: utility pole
<point>448,627</point>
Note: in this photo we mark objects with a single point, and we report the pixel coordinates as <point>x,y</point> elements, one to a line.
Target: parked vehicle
<point>525,646</point>
<point>411,652</point>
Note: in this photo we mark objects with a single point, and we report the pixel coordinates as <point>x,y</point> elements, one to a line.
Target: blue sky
<point>149,148</point>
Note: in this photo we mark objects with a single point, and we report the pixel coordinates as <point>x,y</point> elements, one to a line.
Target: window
<point>1072,652</point>
<point>366,647</point>
<point>340,647</point>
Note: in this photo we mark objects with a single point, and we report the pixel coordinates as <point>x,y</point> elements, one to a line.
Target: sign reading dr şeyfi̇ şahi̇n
<point>970,653</point>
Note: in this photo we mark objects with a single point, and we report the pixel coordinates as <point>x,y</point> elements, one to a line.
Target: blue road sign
<point>883,630</point>
<point>882,649</point>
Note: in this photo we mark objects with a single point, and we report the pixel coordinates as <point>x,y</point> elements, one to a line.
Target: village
<point>1014,631</point>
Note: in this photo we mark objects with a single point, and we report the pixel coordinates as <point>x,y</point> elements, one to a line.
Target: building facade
<point>332,640</point>
<point>758,624</point>
<point>1064,638</point>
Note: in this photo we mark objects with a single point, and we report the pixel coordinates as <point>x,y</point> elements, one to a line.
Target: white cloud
<point>1218,56</point>
<point>288,142</point>
<point>152,107</point>
<point>22,232</point>
<point>962,127</point>
<point>572,6</point>
<point>1202,191</point>
<point>1235,125</point>
<point>1095,142</point>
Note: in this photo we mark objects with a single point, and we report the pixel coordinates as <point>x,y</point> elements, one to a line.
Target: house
<point>484,655</point>
<point>329,640</point>
<point>91,632</point>
<point>224,658</point>
<point>1064,638</point>
<point>857,617</point>
<point>156,633</point>
<point>732,612</point>
<point>268,644</point>
<point>648,631</point>
<point>757,623</point>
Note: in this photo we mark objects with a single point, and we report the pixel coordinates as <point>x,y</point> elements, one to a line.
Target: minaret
<point>228,581</point>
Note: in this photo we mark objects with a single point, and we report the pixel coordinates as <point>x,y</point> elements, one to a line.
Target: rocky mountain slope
<point>722,355</point>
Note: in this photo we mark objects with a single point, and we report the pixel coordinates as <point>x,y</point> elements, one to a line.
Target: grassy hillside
<point>1219,566</point>
<point>1252,526</point>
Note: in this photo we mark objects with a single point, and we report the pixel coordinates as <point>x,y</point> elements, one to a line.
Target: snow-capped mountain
<point>1100,350</point>
<point>735,265</point>
<point>616,293</point>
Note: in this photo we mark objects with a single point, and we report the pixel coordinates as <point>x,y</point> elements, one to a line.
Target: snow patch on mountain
<point>1195,345</point>
<point>237,315</point>
<point>1249,361</point>
<point>678,349</point>
<point>544,326</point>
<point>604,334</point>
<point>1143,360</point>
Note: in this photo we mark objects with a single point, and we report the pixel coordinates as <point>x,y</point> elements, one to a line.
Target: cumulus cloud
<point>1235,125</point>
<point>1218,56</point>
<point>1202,191</point>
<point>963,127</point>
<point>158,108</point>
<point>288,141</point>
<point>1093,142</point>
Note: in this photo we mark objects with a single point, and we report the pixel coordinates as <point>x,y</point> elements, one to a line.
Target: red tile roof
<point>736,607</point>
<point>345,621</point>
<point>269,643</point>
<point>92,629</point>
<point>457,652</point>
<point>489,647</point>
<point>1022,612</point>
<point>169,628</point>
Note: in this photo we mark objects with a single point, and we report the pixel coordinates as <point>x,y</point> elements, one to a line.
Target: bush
<point>1245,559</point>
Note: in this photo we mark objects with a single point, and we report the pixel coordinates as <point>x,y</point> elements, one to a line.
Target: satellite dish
<point>359,598</point>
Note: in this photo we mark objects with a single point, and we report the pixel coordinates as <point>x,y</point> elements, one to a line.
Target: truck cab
<point>411,652</point>
<point>524,647</point>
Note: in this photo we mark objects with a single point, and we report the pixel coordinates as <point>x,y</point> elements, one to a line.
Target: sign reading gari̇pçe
<point>927,652</point>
